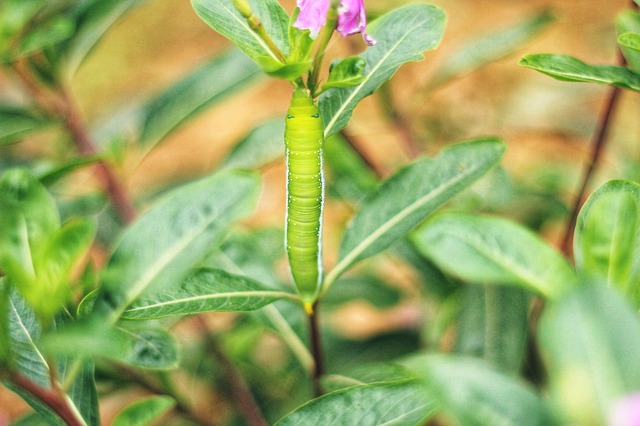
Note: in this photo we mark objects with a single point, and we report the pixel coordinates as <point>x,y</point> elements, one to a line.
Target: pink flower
<point>351,17</point>
<point>626,411</point>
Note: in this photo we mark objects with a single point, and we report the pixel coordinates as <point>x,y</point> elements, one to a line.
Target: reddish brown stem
<point>597,146</point>
<point>63,105</point>
<point>379,170</point>
<point>77,129</point>
<point>242,395</point>
<point>55,401</point>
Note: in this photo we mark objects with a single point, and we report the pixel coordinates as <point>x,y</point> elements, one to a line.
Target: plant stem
<point>323,42</point>
<point>117,193</point>
<point>379,170</point>
<point>316,350</point>
<point>63,105</point>
<point>399,120</point>
<point>597,146</point>
<point>242,395</point>
<point>58,403</point>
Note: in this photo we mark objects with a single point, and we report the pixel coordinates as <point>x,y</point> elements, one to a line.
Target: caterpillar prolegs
<point>303,137</point>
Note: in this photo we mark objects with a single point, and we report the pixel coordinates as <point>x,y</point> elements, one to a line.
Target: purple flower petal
<point>626,412</point>
<point>351,17</point>
<point>312,16</point>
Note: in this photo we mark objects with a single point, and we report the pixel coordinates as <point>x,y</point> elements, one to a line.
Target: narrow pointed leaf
<point>630,40</point>
<point>165,244</point>
<point>490,250</point>
<point>349,177</point>
<point>222,16</point>
<point>607,238</point>
<point>260,147</point>
<point>211,83</point>
<point>409,196</point>
<point>144,348</point>
<point>207,290</point>
<point>486,48</point>
<point>30,360</point>
<point>16,123</point>
<point>144,412</point>
<point>395,403</point>
<point>628,29</point>
<point>591,341</point>
<point>568,68</point>
<point>474,394</point>
<point>494,325</point>
<point>92,23</point>
<point>346,72</point>
<point>46,34</point>
<point>401,36</point>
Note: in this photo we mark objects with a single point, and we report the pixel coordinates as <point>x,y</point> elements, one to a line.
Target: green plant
<point>538,341</point>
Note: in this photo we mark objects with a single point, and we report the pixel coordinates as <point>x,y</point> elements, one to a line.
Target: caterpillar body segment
<point>304,142</point>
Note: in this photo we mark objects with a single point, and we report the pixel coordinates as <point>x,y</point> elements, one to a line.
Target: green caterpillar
<point>303,137</point>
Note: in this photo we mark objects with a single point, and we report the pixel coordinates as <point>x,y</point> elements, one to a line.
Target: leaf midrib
<point>228,295</point>
<point>368,77</point>
<point>375,235</point>
<point>246,27</point>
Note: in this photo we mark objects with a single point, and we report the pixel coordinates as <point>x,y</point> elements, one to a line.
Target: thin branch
<point>55,401</point>
<point>316,350</point>
<point>242,395</point>
<point>379,170</point>
<point>62,105</point>
<point>598,144</point>
<point>117,193</point>
<point>399,120</point>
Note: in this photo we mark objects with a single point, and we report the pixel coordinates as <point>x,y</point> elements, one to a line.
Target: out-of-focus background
<point>546,124</point>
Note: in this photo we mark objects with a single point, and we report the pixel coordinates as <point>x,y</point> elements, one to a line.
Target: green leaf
<point>349,176</point>
<point>46,34</point>
<point>211,83</point>
<point>206,290</point>
<point>607,238</point>
<point>55,174</point>
<point>484,49</point>
<point>346,72</point>
<point>144,412</point>
<point>493,325</point>
<point>367,374</point>
<point>92,23</point>
<point>401,36</point>
<point>369,288</point>
<point>144,348</point>
<point>473,394</point>
<point>627,24</point>
<point>630,40</point>
<point>31,361</point>
<point>260,147</point>
<point>568,68</point>
<point>6,358</point>
<point>591,341</point>
<point>405,199</point>
<point>53,264</point>
<point>223,17</point>
<point>165,244</point>
<point>396,403</point>
<point>289,71</point>
<point>490,250</point>
<point>16,123</point>
<point>14,14</point>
